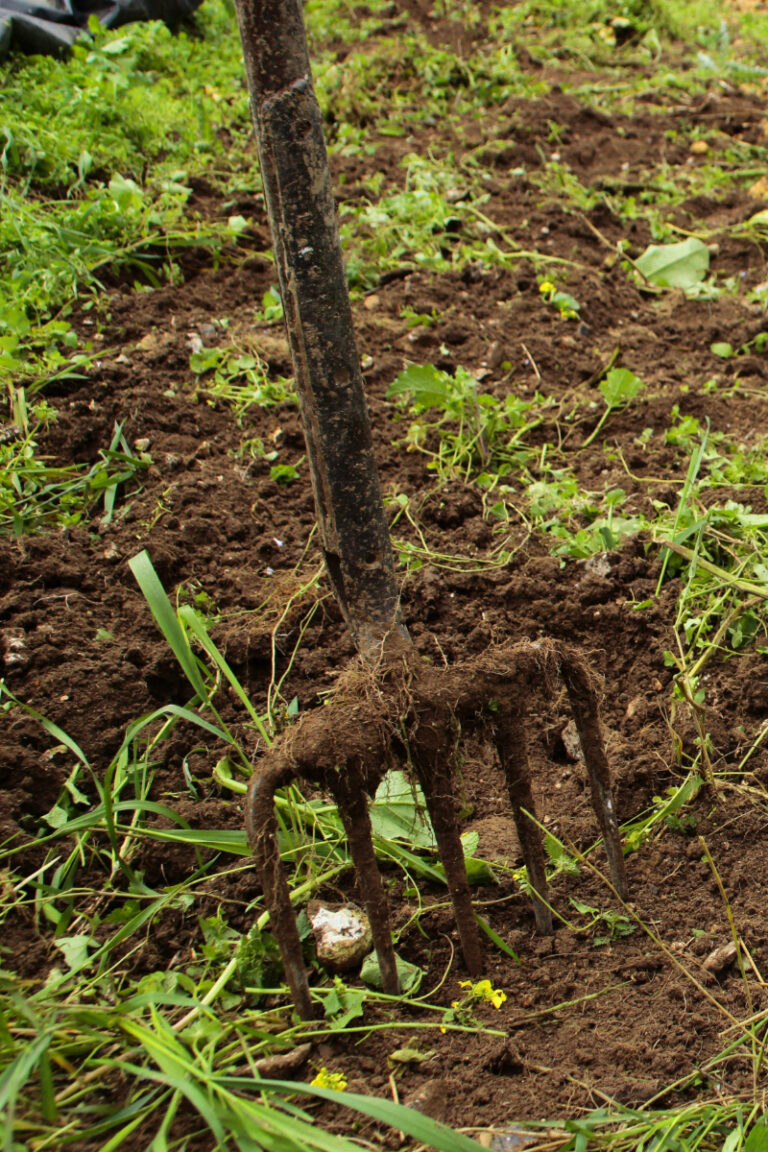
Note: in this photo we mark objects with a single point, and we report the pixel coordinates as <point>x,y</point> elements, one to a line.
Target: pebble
<point>720,959</point>
<point>431,1099</point>
<point>342,935</point>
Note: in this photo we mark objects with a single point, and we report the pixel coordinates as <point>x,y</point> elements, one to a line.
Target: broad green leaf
<point>126,193</point>
<point>620,386</point>
<point>410,974</point>
<point>757,1141</point>
<point>678,265</point>
<point>722,349</point>
<point>734,1139</point>
<point>399,812</point>
<point>470,842</point>
<point>75,950</point>
<point>479,871</point>
<point>427,385</point>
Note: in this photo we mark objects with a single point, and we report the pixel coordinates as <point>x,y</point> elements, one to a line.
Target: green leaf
<point>409,974</point>
<point>342,1005</point>
<point>678,265</point>
<point>757,1141</point>
<point>620,386</point>
<point>496,939</point>
<point>479,871</point>
<point>470,842</point>
<point>166,619</point>
<point>126,193</point>
<point>722,349</point>
<point>733,1140</point>
<point>399,812</point>
<point>75,950</point>
<point>427,386</point>
<point>284,473</point>
<point>206,359</point>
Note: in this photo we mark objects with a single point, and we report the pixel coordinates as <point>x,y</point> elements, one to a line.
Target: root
<point>402,710</point>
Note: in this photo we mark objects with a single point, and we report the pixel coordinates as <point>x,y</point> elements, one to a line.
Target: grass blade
<point>166,619</point>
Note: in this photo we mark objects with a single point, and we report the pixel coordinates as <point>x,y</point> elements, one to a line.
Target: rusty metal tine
<point>352,802</point>
<point>513,755</point>
<point>583,698</point>
<point>262,834</point>
<point>437,784</point>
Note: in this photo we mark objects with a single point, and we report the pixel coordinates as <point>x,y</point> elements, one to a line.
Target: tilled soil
<point>582,1021</point>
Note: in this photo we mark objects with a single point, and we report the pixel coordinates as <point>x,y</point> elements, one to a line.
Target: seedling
<point>238,377</point>
<point>611,925</point>
<point>475,430</point>
<point>618,388</point>
<point>567,305</point>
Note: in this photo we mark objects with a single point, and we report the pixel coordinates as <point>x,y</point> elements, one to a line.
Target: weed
<point>35,495</point>
<point>606,925</point>
<point>462,1011</point>
<point>239,378</point>
<point>567,305</point>
<point>178,1034</point>
<point>472,430</point>
<point>618,389</point>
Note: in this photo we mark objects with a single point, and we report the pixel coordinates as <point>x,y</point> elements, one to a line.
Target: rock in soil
<point>342,935</point>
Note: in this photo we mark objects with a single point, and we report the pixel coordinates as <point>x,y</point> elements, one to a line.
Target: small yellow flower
<point>443,1029</point>
<point>484,990</point>
<point>497,997</point>
<point>546,286</point>
<point>326,1079</point>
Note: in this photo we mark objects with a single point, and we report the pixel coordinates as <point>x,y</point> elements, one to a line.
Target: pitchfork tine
<point>262,834</point>
<point>352,803</point>
<point>583,698</point>
<point>513,755</point>
<point>436,782</point>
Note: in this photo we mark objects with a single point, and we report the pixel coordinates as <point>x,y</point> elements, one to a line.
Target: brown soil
<point>213,523</point>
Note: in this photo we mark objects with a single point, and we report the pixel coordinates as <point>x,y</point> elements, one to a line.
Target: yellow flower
<point>484,990</point>
<point>326,1079</point>
<point>546,286</point>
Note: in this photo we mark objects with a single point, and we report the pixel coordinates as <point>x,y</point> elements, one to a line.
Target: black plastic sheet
<point>51,29</point>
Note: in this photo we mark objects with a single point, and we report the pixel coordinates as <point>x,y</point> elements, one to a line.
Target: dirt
<point>583,1022</point>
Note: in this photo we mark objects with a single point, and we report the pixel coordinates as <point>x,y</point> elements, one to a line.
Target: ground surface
<point>639,1011</point>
